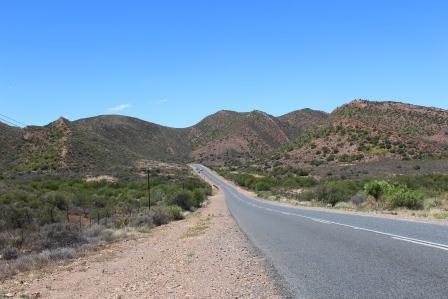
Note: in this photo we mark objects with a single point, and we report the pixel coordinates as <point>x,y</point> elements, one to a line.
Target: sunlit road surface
<point>320,254</point>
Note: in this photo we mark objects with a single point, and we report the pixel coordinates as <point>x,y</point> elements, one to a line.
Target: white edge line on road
<point>421,243</point>
<point>393,236</point>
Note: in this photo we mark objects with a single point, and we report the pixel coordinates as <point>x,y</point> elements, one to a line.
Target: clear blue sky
<point>174,62</point>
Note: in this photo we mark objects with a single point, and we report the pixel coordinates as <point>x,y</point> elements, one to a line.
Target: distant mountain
<point>296,122</point>
<point>228,135</point>
<point>358,131</point>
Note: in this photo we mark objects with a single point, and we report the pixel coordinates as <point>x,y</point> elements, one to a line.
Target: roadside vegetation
<point>46,220</point>
<point>426,193</point>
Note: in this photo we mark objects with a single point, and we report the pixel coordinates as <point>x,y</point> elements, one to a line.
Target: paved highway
<point>333,255</point>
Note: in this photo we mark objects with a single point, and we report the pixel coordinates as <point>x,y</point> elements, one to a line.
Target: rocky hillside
<point>10,142</point>
<point>371,131</point>
<point>360,131</point>
<point>103,142</point>
<point>137,137</point>
<point>228,135</point>
<point>298,121</point>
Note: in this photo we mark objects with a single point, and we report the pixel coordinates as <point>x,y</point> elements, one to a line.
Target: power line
<point>12,119</point>
<point>8,122</point>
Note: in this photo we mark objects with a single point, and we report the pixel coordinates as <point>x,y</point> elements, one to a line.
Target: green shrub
<point>183,199</point>
<point>394,195</point>
<point>199,195</point>
<point>333,192</point>
<point>306,181</point>
<point>306,196</point>
<point>175,212</point>
<point>261,186</point>
<point>401,196</point>
<point>376,188</point>
<point>160,215</point>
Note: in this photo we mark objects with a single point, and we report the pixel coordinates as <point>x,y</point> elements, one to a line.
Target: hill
<point>360,131</point>
<point>10,141</point>
<point>366,131</point>
<point>298,121</point>
<point>228,135</point>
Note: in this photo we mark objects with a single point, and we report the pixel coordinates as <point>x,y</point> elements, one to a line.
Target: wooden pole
<point>149,191</point>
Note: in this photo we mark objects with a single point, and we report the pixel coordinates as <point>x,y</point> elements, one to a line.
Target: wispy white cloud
<point>160,101</point>
<point>120,107</point>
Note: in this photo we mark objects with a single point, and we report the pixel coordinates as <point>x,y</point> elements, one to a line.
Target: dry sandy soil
<point>203,256</point>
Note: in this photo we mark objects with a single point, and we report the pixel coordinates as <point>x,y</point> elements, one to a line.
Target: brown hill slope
<point>228,135</point>
<point>358,131</point>
<point>108,142</point>
<point>97,143</point>
<point>296,122</point>
<point>10,142</point>
<point>141,138</point>
<point>370,131</point>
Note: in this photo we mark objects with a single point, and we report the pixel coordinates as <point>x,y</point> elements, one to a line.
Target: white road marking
<point>231,190</point>
<point>421,243</point>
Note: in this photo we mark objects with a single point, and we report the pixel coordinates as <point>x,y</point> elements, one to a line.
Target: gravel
<point>203,256</point>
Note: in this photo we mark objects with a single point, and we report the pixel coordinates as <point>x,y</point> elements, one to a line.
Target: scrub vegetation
<point>424,192</point>
<point>44,220</point>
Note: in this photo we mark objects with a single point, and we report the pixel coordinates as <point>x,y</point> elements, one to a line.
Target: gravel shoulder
<point>203,256</point>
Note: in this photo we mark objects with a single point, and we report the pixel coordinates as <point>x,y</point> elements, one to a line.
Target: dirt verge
<point>203,256</point>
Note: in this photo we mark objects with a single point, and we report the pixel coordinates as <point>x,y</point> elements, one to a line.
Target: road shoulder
<point>401,215</point>
<point>203,256</point>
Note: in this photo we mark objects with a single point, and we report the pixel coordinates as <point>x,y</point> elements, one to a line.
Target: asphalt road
<point>333,255</point>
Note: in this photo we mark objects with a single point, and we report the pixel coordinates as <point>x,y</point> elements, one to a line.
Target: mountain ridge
<point>360,130</point>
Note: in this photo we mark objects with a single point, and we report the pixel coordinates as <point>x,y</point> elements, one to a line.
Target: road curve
<point>321,254</point>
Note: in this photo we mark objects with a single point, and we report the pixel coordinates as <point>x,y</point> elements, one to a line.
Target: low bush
<point>183,199</point>
<point>50,219</point>
<point>261,186</point>
<point>269,183</point>
<point>94,231</point>
<point>9,253</point>
<point>401,196</point>
<point>376,188</point>
<point>332,192</point>
<point>60,235</point>
<point>143,220</point>
<point>175,212</point>
<point>358,199</point>
<point>306,196</point>
<point>436,182</point>
<point>394,195</point>
<point>108,235</point>
<point>433,202</point>
<point>160,215</point>
<point>199,196</point>
<point>35,261</point>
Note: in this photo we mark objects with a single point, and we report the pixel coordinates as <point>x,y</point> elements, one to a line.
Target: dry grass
<point>198,229</point>
<point>37,261</point>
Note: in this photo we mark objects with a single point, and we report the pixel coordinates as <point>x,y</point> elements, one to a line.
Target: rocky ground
<point>203,256</point>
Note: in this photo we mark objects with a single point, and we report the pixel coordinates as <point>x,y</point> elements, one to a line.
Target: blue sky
<point>174,62</point>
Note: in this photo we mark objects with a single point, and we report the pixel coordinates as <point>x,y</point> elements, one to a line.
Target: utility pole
<point>149,191</point>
